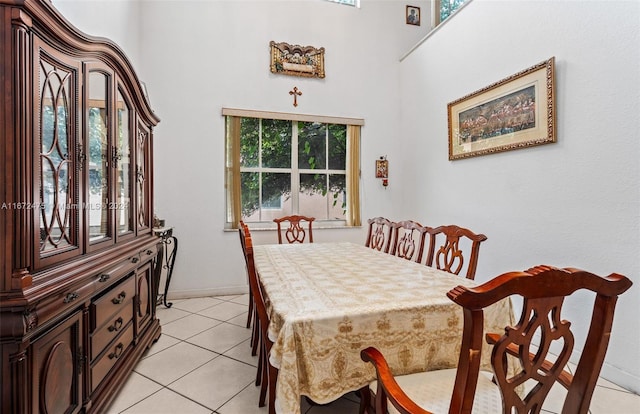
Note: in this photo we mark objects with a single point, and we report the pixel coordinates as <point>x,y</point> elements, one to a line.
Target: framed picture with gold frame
<point>296,60</point>
<point>516,112</point>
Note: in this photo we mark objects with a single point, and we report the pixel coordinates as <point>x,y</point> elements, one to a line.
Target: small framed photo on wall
<point>413,15</point>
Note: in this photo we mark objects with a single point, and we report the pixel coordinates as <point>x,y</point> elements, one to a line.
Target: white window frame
<point>437,4</point>
<point>352,172</point>
<point>354,3</point>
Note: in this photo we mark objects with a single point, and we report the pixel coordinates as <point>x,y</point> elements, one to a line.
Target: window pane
<point>275,186</point>
<point>312,138</point>
<point>289,167</point>
<point>337,196</point>
<point>276,143</point>
<point>249,134</point>
<point>449,6</point>
<point>347,2</point>
<point>337,147</point>
<point>313,195</point>
<point>250,187</point>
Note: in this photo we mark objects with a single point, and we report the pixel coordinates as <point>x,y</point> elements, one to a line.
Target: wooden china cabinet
<point>79,261</point>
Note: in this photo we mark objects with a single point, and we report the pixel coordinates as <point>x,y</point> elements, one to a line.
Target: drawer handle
<point>119,299</point>
<point>116,325</point>
<point>71,297</point>
<point>149,252</point>
<point>117,351</point>
<point>134,260</point>
<point>104,277</point>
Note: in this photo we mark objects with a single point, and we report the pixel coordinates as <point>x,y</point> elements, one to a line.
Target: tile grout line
<point>218,354</point>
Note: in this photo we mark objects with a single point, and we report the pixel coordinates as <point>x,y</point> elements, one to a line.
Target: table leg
<point>169,241</point>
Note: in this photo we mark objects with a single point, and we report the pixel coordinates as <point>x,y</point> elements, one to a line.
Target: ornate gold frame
<point>516,112</point>
<point>296,60</point>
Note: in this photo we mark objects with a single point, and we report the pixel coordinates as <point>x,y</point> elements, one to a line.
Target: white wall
<point>202,56</point>
<point>573,203</point>
<point>116,20</point>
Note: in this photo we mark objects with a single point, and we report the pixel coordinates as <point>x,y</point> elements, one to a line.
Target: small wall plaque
<point>296,60</point>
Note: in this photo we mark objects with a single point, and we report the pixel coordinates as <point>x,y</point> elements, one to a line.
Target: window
<point>355,3</point>
<point>281,164</point>
<point>445,8</point>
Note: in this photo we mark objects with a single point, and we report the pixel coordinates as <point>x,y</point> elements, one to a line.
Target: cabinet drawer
<point>54,305</point>
<point>109,331</point>
<point>111,356</point>
<point>113,301</point>
<point>112,274</point>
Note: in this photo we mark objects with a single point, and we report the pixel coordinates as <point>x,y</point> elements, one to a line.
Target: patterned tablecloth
<point>328,301</point>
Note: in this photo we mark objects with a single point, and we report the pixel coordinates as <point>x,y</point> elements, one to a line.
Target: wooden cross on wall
<point>295,94</point>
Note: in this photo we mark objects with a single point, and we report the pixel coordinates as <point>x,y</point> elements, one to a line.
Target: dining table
<point>328,301</point>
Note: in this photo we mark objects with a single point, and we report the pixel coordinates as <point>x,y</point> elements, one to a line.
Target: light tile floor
<point>202,363</point>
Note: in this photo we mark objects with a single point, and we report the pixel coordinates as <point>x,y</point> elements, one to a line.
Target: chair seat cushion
<point>432,391</point>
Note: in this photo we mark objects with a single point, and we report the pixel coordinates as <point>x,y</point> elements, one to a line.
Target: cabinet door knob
<point>70,297</point>
<point>117,351</point>
<point>119,299</point>
<point>134,260</point>
<point>116,325</point>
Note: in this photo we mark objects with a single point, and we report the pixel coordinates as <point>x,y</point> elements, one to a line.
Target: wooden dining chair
<point>458,390</point>
<point>267,374</point>
<point>243,231</point>
<point>379,235</point>
<point>449,255</point>
<point>296,232</point>
<point>408,240</point>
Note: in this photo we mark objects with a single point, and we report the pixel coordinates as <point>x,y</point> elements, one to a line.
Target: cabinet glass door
<point>142,178</point>
<point>57,214</point>
<point>124,217</point>
<point>98,157</point>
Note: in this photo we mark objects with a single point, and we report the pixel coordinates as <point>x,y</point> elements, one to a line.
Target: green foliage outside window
<point>447,7</point>
<point>321,147</point>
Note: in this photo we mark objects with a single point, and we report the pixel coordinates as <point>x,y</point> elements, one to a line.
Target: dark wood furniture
<point>379,235</point>
<point>449,255</point>
<point>79,260</point>
<point>252,314</point>
<point>267,374</point>
<point>408,240</point>
<point>543,290</point>
<point>295,233</point>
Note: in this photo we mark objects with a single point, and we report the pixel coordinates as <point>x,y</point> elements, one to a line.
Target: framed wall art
<point>296,60</point>
<point>516,112</point>
<point>382,168</point>
<point>413,15</point>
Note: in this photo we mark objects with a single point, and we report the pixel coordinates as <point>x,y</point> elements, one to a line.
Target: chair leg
<point>365,400</point>
<point>259,373</point>
<point>273,378</point>
<point>250,313</point>
<point>255,335</point>
<point>264,375</point>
